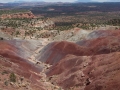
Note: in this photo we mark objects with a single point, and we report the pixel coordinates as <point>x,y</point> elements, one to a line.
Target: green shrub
<point>6,83</point>
<point>12,77</point>
<point>4,72</point>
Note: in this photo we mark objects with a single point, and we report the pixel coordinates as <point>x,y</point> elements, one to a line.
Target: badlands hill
<point>96,68</point>
<point>62,46</point>
<point>88,64</point>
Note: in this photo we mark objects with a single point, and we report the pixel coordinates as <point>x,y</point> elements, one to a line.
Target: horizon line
<point>61,2</point>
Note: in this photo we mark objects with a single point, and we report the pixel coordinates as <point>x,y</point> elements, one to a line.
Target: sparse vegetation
<point>87,15</point>
<point>6,83</point>
<point>12,11</point>
<point>12,77</point>
<point>4,72</point>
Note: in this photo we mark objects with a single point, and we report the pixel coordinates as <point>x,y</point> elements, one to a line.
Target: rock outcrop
<point>18,15</point>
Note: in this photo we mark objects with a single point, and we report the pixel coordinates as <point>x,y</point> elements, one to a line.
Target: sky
<point>6,1</point>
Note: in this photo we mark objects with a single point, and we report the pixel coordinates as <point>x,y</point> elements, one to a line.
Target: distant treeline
<point>115,22</point>
<point>11,11</point>
<point>75,8</point>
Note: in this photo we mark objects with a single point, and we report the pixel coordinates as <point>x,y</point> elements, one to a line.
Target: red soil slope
<point>94,67</point>
<point>99,72</point>
<point>102,45</point>
<point>55,51</point>
<point>86,65</point>
<point>17,64</point>
<point>103,33</point>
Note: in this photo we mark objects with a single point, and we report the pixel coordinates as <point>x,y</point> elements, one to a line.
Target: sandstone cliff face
<point>18,15</point>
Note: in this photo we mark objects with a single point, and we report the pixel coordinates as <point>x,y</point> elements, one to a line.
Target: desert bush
<point>12,77</point>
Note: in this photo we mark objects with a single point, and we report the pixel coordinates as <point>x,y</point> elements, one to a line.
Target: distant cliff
<point>18,15</point>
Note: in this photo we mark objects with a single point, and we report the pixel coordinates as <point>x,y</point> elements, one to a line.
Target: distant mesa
<point>18,15</point>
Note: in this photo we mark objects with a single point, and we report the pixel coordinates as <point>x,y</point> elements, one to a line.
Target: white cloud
<point>5,1</point>
<point>101,0</point>
<point>59,0</point>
